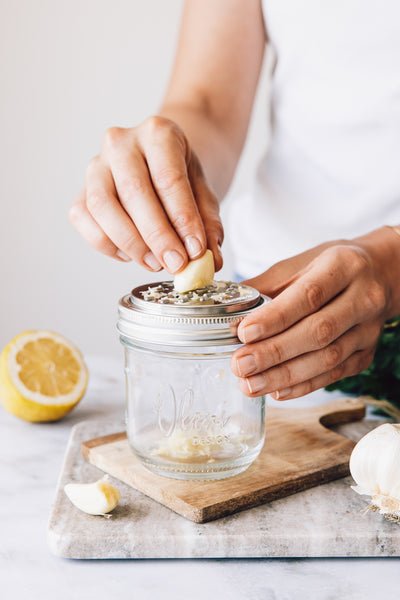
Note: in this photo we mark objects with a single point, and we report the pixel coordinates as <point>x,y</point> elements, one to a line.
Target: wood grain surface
<point>299,453</point>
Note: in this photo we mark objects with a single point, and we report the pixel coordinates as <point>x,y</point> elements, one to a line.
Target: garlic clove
<point>97,498</point>
<point>197,274</point>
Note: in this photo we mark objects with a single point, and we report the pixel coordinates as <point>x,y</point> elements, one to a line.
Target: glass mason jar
<point>186,416</point>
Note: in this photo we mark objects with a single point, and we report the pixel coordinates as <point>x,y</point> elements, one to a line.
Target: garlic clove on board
<point>97,498</point>
<point>375,467</point>
<point>197,274</point>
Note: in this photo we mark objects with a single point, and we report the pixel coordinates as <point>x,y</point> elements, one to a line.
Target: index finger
<point>167,154</point>
<point>326,277</point>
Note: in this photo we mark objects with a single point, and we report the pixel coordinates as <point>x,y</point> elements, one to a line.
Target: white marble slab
<point>325,521</point>
<point>31,457</point>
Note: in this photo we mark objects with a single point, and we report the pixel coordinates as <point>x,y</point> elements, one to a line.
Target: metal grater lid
<point>155,314</point>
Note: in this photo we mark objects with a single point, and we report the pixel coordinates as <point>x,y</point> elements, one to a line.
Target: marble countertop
<point>31,459</point>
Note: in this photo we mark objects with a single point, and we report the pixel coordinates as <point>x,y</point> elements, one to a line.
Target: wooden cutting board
<point>299,453</point>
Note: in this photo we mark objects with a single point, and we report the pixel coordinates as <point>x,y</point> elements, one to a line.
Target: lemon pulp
<point>42,376</point>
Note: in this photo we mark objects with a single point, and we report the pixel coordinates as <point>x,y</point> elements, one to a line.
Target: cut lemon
<point>42,376</point>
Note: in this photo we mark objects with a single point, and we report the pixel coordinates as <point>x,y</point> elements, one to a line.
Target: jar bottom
<point>203,471</point>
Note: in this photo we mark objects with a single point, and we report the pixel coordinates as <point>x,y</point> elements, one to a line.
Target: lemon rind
<point>13,369</point>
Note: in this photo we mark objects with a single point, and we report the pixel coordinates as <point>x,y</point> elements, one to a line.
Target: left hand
<point>328,309</point>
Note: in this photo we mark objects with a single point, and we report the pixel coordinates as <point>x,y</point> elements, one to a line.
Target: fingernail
<point>193,246</point>
<point>123,256</point>
<point>281,394</point>
<point>256,383</point>
<point>246,365</point>
<point>173,260</point>
<point>251,333</point>
<point>152,262</point>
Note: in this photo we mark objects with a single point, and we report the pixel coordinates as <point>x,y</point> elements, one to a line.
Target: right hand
<point>146,199</point>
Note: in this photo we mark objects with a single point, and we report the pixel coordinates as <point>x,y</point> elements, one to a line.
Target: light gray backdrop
<point>68,70</point>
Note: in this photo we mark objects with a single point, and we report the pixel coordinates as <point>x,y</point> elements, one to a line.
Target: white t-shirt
<point>332,168</point>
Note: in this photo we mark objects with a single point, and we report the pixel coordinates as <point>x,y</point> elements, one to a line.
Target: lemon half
<point>42,376</point>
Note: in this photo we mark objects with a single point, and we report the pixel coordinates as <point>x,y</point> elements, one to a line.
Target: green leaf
<point>381,379</point>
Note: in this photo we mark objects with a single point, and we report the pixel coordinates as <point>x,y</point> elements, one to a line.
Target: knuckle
<point>155,238</point>
<point>337,373</point>
<point>215,229</point>
<point>75,213</point>
<point>280,318</point>
<point>307,387</point>
<point>348,257</point>
<point>332,356</point>
<point>375,300</point>
<point>167,180</point>
<point>311,386</point>
<point>159,129</point>
<point>156,125</point>
<point>95,201</point>
<point>132,186</point>
<point>285,377</point>
<point>128,243</point>
<point>354,260</point>
<point>182,221</point>
<point>324,332</point>
<point>274,352</point>
<point>113,136</point>
<point>315,296</point>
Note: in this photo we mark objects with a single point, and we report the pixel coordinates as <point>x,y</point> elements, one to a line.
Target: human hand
<point>146,199</point>
<point>328,309</point>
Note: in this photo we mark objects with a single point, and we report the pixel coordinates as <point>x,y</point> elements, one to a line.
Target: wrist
<point>383,249</point>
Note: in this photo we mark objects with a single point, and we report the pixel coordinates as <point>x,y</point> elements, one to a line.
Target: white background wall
<point>68,70</point>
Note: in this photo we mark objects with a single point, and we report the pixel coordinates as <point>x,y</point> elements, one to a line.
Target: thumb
<point>273,281</point>
<point>282,274</point>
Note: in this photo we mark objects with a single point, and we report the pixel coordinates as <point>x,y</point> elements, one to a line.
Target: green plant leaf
<point>381,379</point>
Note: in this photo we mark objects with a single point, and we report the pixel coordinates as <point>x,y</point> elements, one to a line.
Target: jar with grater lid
<point>186,417</point>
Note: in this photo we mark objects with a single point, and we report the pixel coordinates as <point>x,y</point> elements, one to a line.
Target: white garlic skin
<point>375,467</point>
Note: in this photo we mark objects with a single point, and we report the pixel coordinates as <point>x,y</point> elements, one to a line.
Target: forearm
<point>217,154</point>
<point>214,79</point>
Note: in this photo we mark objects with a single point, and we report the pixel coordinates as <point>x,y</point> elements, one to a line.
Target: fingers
<point>328,275</point>
<point>324,326</point>
<point>146,199</point>
<point>317,331</point>
<point>152,182</point>
<point>139,200</point>
<point>167,154</point>
<point>84,223</point>
<point>208,206</point>
<point>105,209</point>
<point>336,359</point>
<point>357,363</point>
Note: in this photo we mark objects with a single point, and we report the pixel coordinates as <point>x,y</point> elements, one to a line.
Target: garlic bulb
<point>375,467</point>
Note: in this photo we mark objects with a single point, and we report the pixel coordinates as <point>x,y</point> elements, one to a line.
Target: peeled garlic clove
<point>197,274</point>
<point>97,498</point>
<point>375,467</point>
